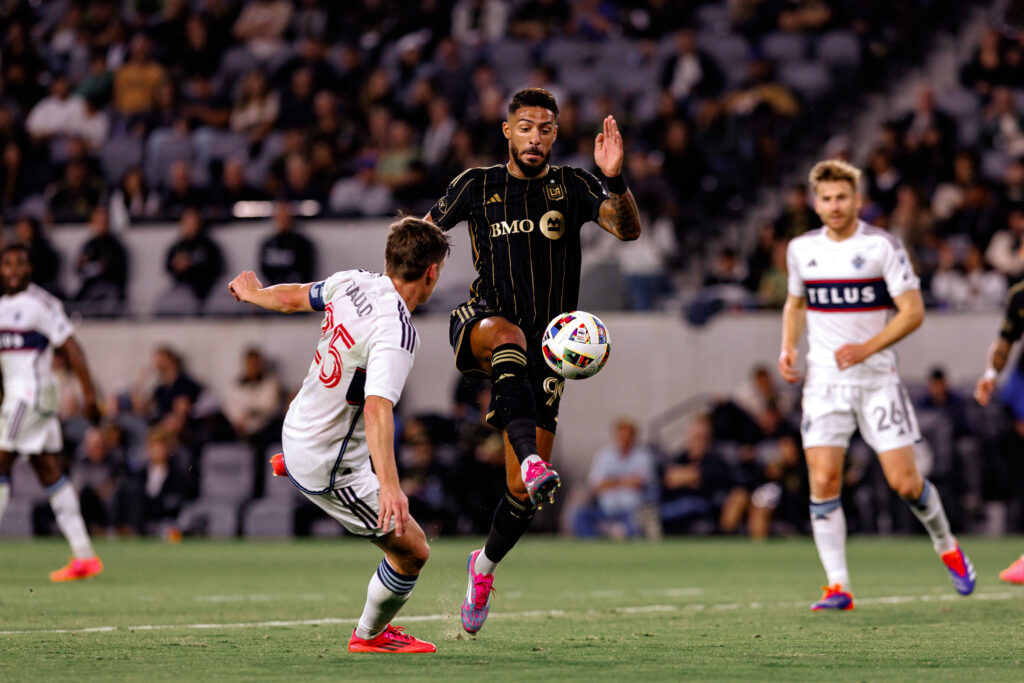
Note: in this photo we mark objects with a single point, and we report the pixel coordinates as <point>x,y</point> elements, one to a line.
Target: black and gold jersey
<point>525,235</point>
<point>1013,316</point>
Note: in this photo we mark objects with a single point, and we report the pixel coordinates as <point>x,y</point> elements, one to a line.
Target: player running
<point>843,280</point>
<point>32,324</point>
<point>524,220</point>
<point>998,354</point>
<point>339,432</point>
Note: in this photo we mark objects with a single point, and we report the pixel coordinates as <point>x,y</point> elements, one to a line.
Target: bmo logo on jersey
<point>847,295</point>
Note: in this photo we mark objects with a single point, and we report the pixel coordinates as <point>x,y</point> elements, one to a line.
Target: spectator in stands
<point>760,395</point>
<point>194,261</point>
<point>97,474</point>
<point>760,259</point>
<point>689,73</point>
<point>684,164</point>
<point>773,285</point>
<point>986,288</point>
<point>1002,126</point>
<point>70,402</point>
<point>44,259</point>
<point>153,497</point>
<point>132,201</point>
<point>622,482</point>
<point>926,116</point>
<point>296,108</point>
<point>261,26</point>
<point>535,20</point>
<point>136,81</point>
<point>726,269</point>
<point>287,255</point>
<point>72,198</point>
<point>362,194</point>
<point>199,55</point>
<point>986,70</point>
<point>438,135</point>
<point>231,189</point>
<point>948,285</point>
<point>913,224</point>
<point>976,218</point>
<point>941,397</point>
<point>694,485</point>
<point>181,194</point>
<point>256,109</point>
<point>425,479</point>
<point>173,395</point>
<point>796,217</point>
<point>1006,250</point>
<point>202,105</point>
<point>102,266</point>
<point>57,114</point>
<point>883,180</point>
<point>254,406</point>
<point>478,22</point>
<point>1012,194</point>
<point>949,196</point>
<point>16,182</point>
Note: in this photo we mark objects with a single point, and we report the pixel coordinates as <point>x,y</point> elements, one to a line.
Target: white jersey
<point>366,348</point>
<point>32,324</point>
<point>849,287</point>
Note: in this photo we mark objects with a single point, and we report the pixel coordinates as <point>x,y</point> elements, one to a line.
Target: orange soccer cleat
<point>277,464</point>
<point>78,568</point>
<point>1015,572</point>
<point>391,639</point>
<point>835,598</point>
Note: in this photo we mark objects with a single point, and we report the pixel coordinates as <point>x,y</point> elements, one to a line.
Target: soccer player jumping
<point>998,354</point>
<point>843,280</point>
<point>339,432</point>
<point>524,223</point>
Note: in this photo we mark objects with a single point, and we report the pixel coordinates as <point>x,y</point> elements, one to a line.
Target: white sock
<point>928,508</point>
<point>64,501</point>
<point>387,592</point>
<point>828,524</point>
<point>5,495</point>
<point>525,465</point>
<point>484,564</point>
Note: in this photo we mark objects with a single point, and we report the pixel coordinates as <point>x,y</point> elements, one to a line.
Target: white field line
<point>697,607</point>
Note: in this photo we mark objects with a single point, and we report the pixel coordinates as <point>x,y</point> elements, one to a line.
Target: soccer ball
<point>576,345</point>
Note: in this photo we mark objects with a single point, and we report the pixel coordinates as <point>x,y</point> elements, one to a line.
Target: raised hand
<point>244,284</point>
<point>608,148</point>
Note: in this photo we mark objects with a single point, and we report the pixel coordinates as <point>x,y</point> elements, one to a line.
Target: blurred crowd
<point>171,459</point>
<point>946,177</point>
<point>152,108</point>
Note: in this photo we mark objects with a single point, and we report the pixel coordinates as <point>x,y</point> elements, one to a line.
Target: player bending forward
<point>998,354</point>
<point>339,432</point>
<point>843,279</point>
<point>33,324</point>
<point>524,223</point>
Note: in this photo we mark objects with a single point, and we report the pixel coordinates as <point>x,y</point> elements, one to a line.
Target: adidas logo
<point>495,199</point>
<point>812,263</point>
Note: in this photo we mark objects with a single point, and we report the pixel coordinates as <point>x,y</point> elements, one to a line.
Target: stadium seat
<point>118,155</point>
<point>268,518</point>
<point>958,102</point>
<point>713,16</point>
<point>839,49</point>
<point>164,147</point>
<point>17,519</point>
<point>209,518</point>
<point>178,301</point>
<point>510,54</point>
<point>730,52</point>
<point>601,288</point>
<point>225,473</point>
<point>811,79</point>
<point>782,46</point>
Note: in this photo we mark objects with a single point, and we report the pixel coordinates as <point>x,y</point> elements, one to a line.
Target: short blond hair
<point>834,170</point>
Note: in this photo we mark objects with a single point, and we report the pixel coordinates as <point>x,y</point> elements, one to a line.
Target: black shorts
<point>547,384</point>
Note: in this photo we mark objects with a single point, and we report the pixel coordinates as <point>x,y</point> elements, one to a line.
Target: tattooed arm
<point>618,214</point>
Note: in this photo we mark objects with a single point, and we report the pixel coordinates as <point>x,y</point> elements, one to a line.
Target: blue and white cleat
<point>960,570</point>
<point>477,603</point>
<point>835,598</point>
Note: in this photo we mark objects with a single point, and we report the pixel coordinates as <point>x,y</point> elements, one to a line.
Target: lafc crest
<point>554,193</point>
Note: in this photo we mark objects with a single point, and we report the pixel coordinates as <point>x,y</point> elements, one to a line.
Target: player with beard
<point>525,218</point>
<point>33,324</point>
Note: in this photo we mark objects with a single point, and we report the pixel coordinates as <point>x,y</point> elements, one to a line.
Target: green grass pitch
<point>698,609</point>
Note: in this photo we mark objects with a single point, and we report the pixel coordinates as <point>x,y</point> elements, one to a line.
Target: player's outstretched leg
<point>84,562</point>
<point>389,589</point>
<point>927,506</point>
<point>1015,572</point>
<point>511,519</point>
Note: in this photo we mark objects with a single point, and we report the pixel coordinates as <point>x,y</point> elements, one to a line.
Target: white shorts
<point>354,502</point>
<point>26,431</point>
<point>883,413</point>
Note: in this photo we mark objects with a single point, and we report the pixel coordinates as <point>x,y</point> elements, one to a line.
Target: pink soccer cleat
<point>391,639</point>
<point>1014,573</point>
<point>78,568</point>
<point>477,603</point>
<point>541,481</point>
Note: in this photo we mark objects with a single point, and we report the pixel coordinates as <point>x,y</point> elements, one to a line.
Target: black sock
<point>511,520</point>
<point>513,399</point>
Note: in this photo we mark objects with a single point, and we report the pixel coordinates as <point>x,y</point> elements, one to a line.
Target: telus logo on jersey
<point>847,295</point>
<point>17,340</point>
